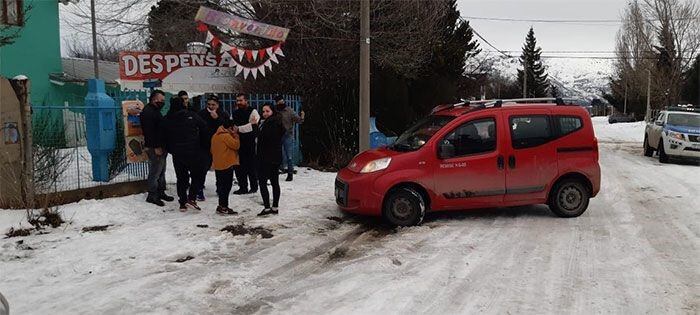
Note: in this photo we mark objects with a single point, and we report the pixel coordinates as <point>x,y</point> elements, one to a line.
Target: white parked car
<point>674,134</point>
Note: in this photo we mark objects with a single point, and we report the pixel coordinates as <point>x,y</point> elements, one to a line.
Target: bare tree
<point>107,50</point>
<point>658,38</point>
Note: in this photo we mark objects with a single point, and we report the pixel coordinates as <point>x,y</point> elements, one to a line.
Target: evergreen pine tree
<point>537,81</point>
<point>554,91</point>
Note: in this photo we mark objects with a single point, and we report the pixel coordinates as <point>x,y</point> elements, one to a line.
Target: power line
<point>495,19</point>
<point>587,51</point>
<point>484,39</point>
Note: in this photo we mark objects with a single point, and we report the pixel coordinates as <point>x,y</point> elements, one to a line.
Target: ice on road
<point>634,251</point>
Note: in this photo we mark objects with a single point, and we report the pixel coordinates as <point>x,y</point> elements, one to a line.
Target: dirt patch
<point>18,232</point>
<point>204,226</point>
<point>336,219</point>
<point>96,228</point>
<point>396,262</point>
<point>339,252</point>
<point>47,218</point>
<point>184,259</point>
<point>242,229</point>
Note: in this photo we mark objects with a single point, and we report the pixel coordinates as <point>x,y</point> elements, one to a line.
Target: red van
<point>478,155</point>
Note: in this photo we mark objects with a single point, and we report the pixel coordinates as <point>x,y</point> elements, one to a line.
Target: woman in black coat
<point>269,157</point>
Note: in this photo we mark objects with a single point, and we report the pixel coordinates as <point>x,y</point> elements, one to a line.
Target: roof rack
<point>496,103</point>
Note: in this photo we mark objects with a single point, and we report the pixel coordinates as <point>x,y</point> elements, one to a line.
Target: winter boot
<point>240,192</point>
<point>274,210</point>
<point>165,197</point>
<point>183,207</point>
<point>155,200</point>
<point>290,177</point>
<point>200,195</point>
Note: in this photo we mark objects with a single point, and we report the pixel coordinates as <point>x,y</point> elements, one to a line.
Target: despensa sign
<point>156,65</point>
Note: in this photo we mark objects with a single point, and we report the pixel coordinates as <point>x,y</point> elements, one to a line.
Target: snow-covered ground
<point>634,251</point>
<point>619,132</point>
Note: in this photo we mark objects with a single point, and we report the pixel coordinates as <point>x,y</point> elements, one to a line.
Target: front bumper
<point>682,148</point>
<point>355,193</point>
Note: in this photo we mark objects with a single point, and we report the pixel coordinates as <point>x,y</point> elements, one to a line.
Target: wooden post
<point>22,86</point>
<point>364,75</point>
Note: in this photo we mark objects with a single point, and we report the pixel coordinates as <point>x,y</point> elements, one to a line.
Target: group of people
<point>256,148</point>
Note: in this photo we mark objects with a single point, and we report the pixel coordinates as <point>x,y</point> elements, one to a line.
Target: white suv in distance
<point>674,134</point>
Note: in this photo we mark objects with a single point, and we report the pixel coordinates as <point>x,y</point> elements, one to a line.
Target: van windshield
<point>685,120</point>
<point>418,135</point>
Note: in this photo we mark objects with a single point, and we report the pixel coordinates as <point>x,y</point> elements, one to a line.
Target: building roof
<point>80,70</point>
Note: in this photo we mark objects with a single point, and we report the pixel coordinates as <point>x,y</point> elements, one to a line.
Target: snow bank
<point>619,132</point>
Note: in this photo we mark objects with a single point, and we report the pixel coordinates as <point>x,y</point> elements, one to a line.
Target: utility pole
<point>697,67</point>
<point>94,38</point>
<point>625,109</point>
<point>647,117</point>
<point>364,75</point>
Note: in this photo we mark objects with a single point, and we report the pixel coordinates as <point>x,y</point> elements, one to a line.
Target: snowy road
<point>636,250</point>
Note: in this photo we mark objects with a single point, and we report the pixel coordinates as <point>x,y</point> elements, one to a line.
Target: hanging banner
<point>241,25</point>
<point>133,135</point>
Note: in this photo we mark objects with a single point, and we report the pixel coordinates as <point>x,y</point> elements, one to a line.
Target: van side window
<point>474,137</point>
<point>530,131</point>
<point>567,124</point>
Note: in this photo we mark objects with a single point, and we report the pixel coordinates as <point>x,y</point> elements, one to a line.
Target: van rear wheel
<point>404,207</point>
<point>569,198</point>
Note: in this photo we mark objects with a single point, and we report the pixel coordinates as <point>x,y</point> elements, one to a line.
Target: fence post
<point>21,85</point>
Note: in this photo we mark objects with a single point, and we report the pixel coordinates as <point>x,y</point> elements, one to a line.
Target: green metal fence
<point>62,161</point>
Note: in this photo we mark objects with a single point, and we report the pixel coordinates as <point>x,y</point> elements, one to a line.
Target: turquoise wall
<point>37,52</point>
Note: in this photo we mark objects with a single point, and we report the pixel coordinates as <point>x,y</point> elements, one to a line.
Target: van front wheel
<point>569,198</point>
<point>404,207</point>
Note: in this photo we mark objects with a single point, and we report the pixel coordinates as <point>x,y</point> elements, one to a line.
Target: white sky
<point>509,36</point>
<point>550,36</point>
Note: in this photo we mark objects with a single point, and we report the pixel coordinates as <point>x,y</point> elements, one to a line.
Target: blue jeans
<point>287,153</point>
<point>156,173</point>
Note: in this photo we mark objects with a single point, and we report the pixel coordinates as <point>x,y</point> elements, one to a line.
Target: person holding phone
<point>214,116</point>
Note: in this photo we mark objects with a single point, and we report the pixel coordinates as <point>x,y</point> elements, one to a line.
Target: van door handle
<point>511,161</point>
<point>500,162</point>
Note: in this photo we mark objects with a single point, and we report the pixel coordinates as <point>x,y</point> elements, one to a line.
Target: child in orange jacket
<point>224,150</point>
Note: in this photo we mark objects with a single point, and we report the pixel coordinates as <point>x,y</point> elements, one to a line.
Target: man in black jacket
<point>186,138</point>
<point>246,118</point>
<point>214,116</point>
<point>151,119</point>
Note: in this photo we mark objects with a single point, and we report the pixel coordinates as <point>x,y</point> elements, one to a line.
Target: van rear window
<point>567,124</point>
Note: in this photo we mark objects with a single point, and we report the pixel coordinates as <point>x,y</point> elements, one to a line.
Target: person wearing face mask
<point>214,116</point>
<point>186,137</point>
<point>246,119</point>
<point>289,118</point>
<point>151,120</point>
<point>269,157</point>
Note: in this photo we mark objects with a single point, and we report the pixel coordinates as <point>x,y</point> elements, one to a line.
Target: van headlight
<point>675,135</point>
<point>376,165</point>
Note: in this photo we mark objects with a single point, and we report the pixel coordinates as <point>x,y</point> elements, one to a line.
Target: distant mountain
<point>578,78</point>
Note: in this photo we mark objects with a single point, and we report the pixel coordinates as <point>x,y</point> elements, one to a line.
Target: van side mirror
<point>659,123</point>
<point>447,150</point>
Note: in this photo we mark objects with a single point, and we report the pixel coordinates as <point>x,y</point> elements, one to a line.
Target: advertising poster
<point>133,135</point>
